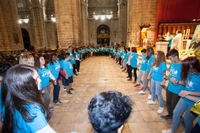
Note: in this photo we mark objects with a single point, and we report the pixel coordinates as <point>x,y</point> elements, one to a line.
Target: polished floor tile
<point>100,74</point>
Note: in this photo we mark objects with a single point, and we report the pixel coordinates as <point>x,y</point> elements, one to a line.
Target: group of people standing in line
<point>182,89</point>
<point>22,108</point>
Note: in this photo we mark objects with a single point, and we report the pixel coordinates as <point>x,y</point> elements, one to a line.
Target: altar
<point>162,46</point>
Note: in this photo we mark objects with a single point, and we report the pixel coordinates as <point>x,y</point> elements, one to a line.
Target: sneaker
<point>166,117</point>
<point>137,85</point>
<point>57,102</point>
<point>167,131</point>
<point>71,89</point>
<point>149,96</point>
<point>160,110</point>
<point>78,72</point>
<point>69,92</point>
<point>51,109</point>
<point>141,92</point>
<point>151,102</point>
<point>64,89</point>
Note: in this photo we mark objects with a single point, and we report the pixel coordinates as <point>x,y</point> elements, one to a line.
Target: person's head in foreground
<point>108,111</point>
<point>24,109</point>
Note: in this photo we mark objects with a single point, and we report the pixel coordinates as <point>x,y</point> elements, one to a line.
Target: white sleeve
<point>46,129</point>
<point>51,76</point>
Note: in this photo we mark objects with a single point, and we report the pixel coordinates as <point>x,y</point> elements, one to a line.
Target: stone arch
<point>103,35</point>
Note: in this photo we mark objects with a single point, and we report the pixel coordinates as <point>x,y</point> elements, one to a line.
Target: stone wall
<point>139,13</point>
<point>9,26</point>
<point>68,22</point>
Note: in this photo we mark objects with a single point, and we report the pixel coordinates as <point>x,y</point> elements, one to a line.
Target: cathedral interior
<point>52,24</point>
<point>57,24</point>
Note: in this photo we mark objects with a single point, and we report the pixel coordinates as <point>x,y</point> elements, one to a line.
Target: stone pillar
<point>84,8</point>
<point>67,22</point>
<point>10,33</point>
<point>37,22</point>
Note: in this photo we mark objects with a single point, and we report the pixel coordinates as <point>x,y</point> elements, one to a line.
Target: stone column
<point>10,33</point>
<point>67,22</point>
<point>38,26</point>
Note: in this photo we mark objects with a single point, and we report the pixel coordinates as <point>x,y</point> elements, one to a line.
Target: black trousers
<point>196,129</point>
<point>74,68</point>
<point>130,72</point>
<point>77,65</point>
<point>171,101</point>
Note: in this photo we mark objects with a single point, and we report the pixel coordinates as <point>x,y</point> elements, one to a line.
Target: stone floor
<point>100,74</point>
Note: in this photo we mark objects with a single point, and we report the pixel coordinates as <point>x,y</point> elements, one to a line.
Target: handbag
<point>196,108</point>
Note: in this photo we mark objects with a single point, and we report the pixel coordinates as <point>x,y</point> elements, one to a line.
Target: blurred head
<point>150,52</point>
<point>67,56</point>
<point>190,64</point>
<point>53,58</point>
<point>173,55</point>
<point>159,58</point>
<point>108,111</point>
<point>4,66</point>
<point>143,51</point>
<point>39,61</point>
<point>133,49</point>
<point>20,87</point>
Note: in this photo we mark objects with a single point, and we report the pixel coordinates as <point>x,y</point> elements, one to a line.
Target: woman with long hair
<point>25,111</point>
<point>191,78</point>
<point>45,76</point>
<point>149,62</point>
<point>54,67</point>
<point>157,76</point>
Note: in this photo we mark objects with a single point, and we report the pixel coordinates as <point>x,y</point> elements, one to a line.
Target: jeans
<point>46,95</point>
<point>156,89</point>
<point>56,91</point>
<point>145,81</point>
<point>171,101</point>
<point>140,74</point>
<point>196,129</point>
<point>180,108</point>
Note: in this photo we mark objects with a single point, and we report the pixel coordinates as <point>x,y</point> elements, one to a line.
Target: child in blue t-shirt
<point>173,89</point>
<point>149,62</point>
<point>142,68</point>
<point>54,67</point>
<point>191,78</point>
<point>158,75</point>
<point>68,70</point>
<point>133,65</point>
<point>45,76</point>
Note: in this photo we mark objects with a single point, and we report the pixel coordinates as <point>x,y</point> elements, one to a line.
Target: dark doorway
<point>103,35</point>
<point>26,39</point>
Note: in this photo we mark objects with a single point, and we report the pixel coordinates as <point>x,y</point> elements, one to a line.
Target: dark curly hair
<point>108,111</point>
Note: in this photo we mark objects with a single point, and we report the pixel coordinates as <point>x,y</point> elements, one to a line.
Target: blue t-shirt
<point>126,56</point>
<point>133,60</point>
<point>44,74</point>
<point>198,120</point>
<point>175,72</point>
<point>1,104</point>
<point>68,67</point>
<point>149,64</point>
<point>39,122</point>
<point>192,85</point>
<point>55,68</point>
<point>72,57</point>
<point>61,64</point>
<point>143,66</point>
<point>157,72</point>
